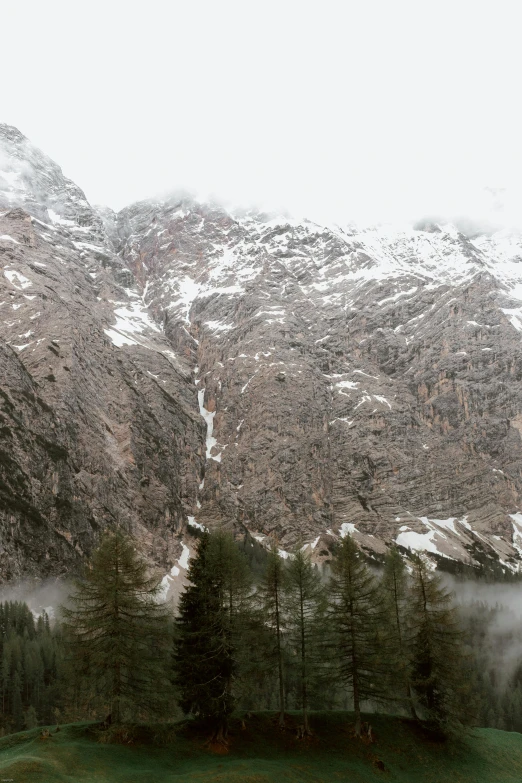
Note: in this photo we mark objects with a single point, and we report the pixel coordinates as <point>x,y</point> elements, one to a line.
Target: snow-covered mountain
<point>215,366</point>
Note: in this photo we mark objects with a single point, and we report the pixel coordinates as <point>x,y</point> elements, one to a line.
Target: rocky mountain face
<point>90,431</point>
<point>180,364</point>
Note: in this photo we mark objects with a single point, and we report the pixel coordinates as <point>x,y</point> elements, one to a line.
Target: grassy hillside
<point>261,753</point>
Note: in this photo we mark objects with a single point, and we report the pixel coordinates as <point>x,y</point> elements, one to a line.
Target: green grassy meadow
<point>262,753</point>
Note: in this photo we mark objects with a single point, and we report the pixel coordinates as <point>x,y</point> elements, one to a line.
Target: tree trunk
<point>305,723</point>
<point>357,711</point>
<point>221,732</point>
<point>280,663</point>
<point>399,633</point>
<point>355,678</point>
<point>411,704</point>
<point>430,690</point>
<point>116,709</point>
<point>304,693</point>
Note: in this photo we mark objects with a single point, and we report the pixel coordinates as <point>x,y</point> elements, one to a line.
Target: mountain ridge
<point>316,380</point>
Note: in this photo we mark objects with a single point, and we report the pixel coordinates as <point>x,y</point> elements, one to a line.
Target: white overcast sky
<point>346,110</point>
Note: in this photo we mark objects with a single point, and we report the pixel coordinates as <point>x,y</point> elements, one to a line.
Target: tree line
<point>351,640</point>
<point>31,659</point>
<point>250,632</point>
<point>493,639</point>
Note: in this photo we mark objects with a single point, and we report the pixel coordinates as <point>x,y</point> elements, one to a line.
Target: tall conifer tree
<point>305,605</point>
<point>119,631</point>
<point>354,615</point>
<point>271,602</point>
<point>212,616</point>
<point>396,595</point>
<point>437,663</point>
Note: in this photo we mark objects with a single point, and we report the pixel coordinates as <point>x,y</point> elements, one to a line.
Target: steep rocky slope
<point>358,381</point>
<point>195,364</point>
<point>91,432</point>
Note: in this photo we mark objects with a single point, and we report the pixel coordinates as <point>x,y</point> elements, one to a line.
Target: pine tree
<point>305,605</point>
<point>196,664</point>
<point>271,599</point>
<point>212,615</point>
<point>232,580</point>
<point>438,677</point>
<point>354,616</point>
<point>395,591</point>
<point>119,631</point>
<point>29,678</point>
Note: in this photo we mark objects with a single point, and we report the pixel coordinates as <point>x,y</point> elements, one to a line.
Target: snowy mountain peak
<point>181,364</point>
<point>31,180</point>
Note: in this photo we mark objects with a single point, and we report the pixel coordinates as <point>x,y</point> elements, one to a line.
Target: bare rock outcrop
<point>179,364</point>
<point>356,381</point>
<point>92,432</point>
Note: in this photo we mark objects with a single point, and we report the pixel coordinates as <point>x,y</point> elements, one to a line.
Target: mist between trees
<point>253,631</point>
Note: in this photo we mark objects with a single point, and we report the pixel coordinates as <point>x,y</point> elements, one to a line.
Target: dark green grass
<point>261,753</point>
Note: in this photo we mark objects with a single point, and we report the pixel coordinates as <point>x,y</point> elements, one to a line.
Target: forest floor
<point>262,753</point>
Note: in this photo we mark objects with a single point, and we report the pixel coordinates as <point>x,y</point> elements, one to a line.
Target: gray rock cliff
<point>91,433</point>
<point>181,364</point>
